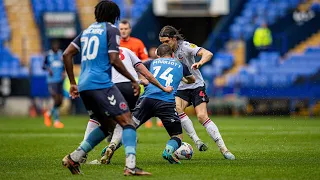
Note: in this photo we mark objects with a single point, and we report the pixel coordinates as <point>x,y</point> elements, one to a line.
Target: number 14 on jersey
<point>165,75</point>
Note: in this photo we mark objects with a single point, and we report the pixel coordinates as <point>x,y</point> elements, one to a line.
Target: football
<point>185,151</point>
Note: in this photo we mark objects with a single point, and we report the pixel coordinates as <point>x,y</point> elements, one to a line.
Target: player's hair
<point>125,21</point>
<point>170,32</point>
<point>164,50</point>
<point>107,11</point>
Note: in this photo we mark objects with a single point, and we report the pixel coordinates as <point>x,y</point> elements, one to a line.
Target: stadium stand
<point>85,10</point>
<point>4,26</point>
<point>40,6</point>
<point>24,42</point>
<point>311,41</point>
<point>256,12</point>
<point>253,14</point>
<point>132,10</point>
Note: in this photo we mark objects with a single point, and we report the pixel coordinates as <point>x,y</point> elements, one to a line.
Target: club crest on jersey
<point>123,106</point>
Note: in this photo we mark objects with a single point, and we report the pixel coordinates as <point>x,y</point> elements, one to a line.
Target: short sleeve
<point>113,35</point>
<point>134,58</point>
<point>147,64</point>
<point>186,71</point>
<point>191,48</point>
<point>76,42</point>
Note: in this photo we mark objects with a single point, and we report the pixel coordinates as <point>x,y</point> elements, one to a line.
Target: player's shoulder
<point>111,26</point>
<point>187,44</point>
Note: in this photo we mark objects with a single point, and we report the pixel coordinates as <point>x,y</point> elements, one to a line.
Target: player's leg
<point>141,113</point>
<point>58,98</point>
<point>127,92</point>
<point>47,113</point>
<point>118,109</point>
<point>92,100</point>
<point>167,113</point>
<point>183,99</point>
<point>200,106</point>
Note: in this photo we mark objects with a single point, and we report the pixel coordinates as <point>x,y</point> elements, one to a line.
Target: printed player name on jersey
<point>166,62</point>
<point>93,31</point>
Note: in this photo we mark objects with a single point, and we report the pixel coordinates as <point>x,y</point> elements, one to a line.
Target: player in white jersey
<point>193,94</point>
<point>133,65</point>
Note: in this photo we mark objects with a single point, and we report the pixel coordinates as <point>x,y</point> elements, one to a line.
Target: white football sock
<point>92,124</point>
<point>187,125</point>
<point>131,161</point>
<point>213,131</point>
<point>117,135</point>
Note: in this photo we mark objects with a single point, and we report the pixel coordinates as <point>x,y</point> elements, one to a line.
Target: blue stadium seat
<point>261,80</point>
<point>236,31</point>
<point>312,50</point>
<point>40,6</point>
<point>248,31</point>
<point>4,25</point>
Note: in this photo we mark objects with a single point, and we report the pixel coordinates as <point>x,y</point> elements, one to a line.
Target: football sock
<point>129,141</point>
<point>173,144</point>
<point>117,135</point>
<point>213,131</point>
<point>92,124</point>
<point>187,125</point>
<point>55,113</point>
<point>94,138</point>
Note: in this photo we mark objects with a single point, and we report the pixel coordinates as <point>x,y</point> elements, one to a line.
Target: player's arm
<point>146,73</point>
<point>143,70</point>
<point>143,80</point>
<point>113,51</point>
<point>45,65</point>
<point>143,54</point>
<point>198,51</point>
<point>205,57</point>
<point>68,54</point>
<point>188,78</point>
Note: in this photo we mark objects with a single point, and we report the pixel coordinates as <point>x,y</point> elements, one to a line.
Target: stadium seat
<point>40,6</point>
<point>259,11</point>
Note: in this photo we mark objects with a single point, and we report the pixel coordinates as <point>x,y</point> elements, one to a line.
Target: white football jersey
<point>129,60</point>
<point>186,53</point>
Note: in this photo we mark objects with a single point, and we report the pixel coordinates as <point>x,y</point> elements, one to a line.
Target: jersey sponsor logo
<point>123,106</point>
<point>192,45</point>
<point>56,64</point>
<point>112,100</point>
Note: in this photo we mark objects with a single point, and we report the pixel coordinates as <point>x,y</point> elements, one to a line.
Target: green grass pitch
<point>265,148</point>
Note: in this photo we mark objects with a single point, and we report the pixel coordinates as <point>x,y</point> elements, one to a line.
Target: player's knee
<point>179,109</point>
<point>126,121</point>
<point>58,102</point>
<point>202,117</point>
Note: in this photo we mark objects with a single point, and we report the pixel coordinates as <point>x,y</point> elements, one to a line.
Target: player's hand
<point>144,82</point>
<point>196,65</point>
<point>74,93</point>
<point>168,89</point>
<point>136,88</point>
